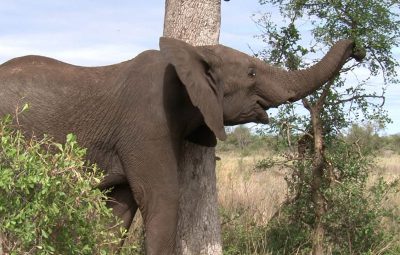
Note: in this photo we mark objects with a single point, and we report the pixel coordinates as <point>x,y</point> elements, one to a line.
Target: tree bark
<point>317,173</point>
<point>1,245</point>
<point>195,22</point>
<point>319,166</point>
<point>199,231</point>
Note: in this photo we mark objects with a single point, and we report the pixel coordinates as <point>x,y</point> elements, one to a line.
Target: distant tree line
<point>366,136</point>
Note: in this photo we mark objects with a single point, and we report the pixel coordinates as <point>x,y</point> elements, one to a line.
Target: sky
<point>102,32</point>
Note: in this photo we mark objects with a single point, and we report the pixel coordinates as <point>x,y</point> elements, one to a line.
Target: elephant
<point>134,116</point>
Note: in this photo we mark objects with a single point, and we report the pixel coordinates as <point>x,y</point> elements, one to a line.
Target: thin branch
<point>325,92</point>
<point>306,104</point>
<point>350,68</point>
<point>381,65</point>
<point>360,97</point>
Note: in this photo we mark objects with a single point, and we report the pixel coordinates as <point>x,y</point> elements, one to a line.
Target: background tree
<point>198,23</point>
<point>241,136</point>
<point>374,25</point>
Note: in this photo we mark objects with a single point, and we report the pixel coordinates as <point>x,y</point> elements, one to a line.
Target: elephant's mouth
<point>256,113</point>
<point>261,113</point>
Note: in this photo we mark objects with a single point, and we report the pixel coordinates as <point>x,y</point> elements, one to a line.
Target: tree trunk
<point>317,173</point>
<point>1,245</point>
<point>318,168</point>
<point>195,22</point>
<point>198,23</point>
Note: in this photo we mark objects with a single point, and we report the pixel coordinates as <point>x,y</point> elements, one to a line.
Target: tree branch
<point>360,97</point>
<point>306,104</point>
<point>325,92</point>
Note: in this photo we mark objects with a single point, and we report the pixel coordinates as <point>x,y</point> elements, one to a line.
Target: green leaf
<point>25,107</point>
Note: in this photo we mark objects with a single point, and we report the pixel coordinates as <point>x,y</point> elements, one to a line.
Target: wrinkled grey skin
<point>133,116</point>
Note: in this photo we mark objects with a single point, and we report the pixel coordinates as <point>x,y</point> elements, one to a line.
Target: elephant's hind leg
<point>123,204</point>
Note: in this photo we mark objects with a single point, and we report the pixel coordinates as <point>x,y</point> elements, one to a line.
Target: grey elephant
<point>133,116</point>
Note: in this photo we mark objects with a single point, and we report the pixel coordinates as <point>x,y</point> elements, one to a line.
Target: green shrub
<point>47,201</point>
<point>241,234</point>
<point>245,142</point>
<point>357,219</point>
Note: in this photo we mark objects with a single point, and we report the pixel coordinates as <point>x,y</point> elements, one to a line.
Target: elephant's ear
<point>195,73</point>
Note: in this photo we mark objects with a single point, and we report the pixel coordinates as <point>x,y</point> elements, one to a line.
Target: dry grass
<point>240,188</point>
<point>260,194</point>
<point>256,196</point>
<point>389,166</point>
<point>389,169</point>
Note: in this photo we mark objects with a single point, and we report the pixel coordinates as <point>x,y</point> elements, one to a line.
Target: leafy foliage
<point>373,24</point>
<point>241,235</point>
<point>335,174</point>
<point>47,201</point>
<point>358,206</point>
<point>241,138</point>
<point>354,218</point>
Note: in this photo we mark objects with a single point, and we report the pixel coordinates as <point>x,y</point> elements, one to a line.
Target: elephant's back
<point>31,60</point>
<point>41,78</point>
<point>42,61</point>
<point>43,71</point>
<point>55,91</point>
<point>32,67</point>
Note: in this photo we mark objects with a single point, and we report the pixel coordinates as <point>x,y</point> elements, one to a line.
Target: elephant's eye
<point>251,73</point>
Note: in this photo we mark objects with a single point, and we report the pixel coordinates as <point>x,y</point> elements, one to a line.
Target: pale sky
<point>105,32</point>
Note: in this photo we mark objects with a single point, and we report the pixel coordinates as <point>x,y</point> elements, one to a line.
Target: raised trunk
<point>199,232</point>
<point>294,85</point>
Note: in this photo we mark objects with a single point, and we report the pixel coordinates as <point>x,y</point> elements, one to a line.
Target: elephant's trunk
<point>294,85</point>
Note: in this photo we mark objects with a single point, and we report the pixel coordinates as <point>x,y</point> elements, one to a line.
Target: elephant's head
<point>230,87</point>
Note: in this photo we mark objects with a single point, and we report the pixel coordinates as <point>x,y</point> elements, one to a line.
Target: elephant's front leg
<point>160,215</point>
<point>152,175</point>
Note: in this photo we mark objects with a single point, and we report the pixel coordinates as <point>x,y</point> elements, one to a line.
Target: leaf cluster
<point>374,26</point>
<point>47,201</point>
<point>355,220</point>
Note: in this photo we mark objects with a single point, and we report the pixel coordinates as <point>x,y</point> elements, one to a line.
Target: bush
<point>356,221</point>
<point>241,234</point>
<point>47,201</point>
<point>242,140</point>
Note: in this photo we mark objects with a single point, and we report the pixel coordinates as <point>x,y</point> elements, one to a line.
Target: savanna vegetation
<point>266,210</point>
<point>47,201</point>
<point>313,182</point>
<point>334,202</point>
<point>40,212</point>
